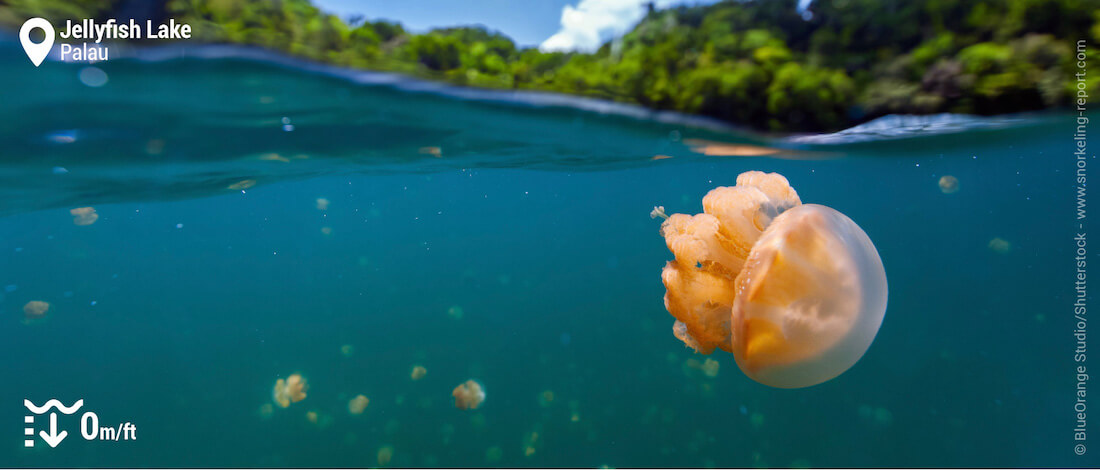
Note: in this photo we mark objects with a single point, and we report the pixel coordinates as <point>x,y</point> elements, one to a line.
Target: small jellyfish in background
<point>949,184</point>
<point>795,291</point>
<point>385,454</point>
<point>455,312</point>
<point>347,350</point>
<point>358,404</point>
<point>241,185</point>
<point>266,411</point>
<point>322,204</point>
<point>418,372</point>
<point>84,215</point>
<point>433,151</point>
<point>35,309</point>
<point>291,390</point>
<point>468,395</point>
<point>1000,245</point>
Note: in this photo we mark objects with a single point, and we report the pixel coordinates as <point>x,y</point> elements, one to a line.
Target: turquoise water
<point>182,304</point>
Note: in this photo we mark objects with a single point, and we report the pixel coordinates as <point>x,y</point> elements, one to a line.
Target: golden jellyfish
<point>358,404</point>
<point>795,291</point>
<point>468,395</point>
<point>291,390</point>
<point>35,309</point>
<point>949,184</point>
<point>84,215</point>
<point>418,372</point>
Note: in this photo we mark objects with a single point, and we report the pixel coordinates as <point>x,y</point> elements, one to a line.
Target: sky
<point>550,24</point>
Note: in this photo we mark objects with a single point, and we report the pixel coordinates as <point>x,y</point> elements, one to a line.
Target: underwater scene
<point>232,258</point>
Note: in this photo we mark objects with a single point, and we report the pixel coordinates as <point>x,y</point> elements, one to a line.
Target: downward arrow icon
<point>53,438</point>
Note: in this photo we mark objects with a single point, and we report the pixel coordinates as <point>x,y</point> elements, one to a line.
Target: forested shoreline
<point>759,63</point>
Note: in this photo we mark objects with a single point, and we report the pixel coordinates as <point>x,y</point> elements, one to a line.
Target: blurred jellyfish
<point>93,77</point>
<point>1000,245</point>
<point>274,157</point>
<point>154,146</point>
<point>358,404</point>
<point>385,454</point>
<point>546,398</point>
<point>433,151</point>
<point>84,215</point>
<point>529,442</point>
<point>291,390</point>
<point>468,395</point>
<point>418,372</point>
<point>455,312</point>
<point>795,291</point>
<point>321,420</point>
<point>35,309</point>
<point>949,184</point>
<point>322,204</point>
<point>326,230</point>
<point>241,185</point>
<point>347,350</point>
<point>266,411</point>
<point>494,454</point>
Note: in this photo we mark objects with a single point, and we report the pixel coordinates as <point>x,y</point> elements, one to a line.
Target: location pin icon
<point>36,52</point>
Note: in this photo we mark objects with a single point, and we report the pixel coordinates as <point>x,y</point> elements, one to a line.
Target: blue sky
<point>553,24</point>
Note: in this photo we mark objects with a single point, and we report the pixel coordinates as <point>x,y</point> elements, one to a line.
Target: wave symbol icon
<point>53,403</point>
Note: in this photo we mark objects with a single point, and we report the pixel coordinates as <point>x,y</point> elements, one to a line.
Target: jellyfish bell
<point>36,309</point>
<point>289,390</point>
<point>810,299</point>
<point>468,395</point>
<point>796,292</point>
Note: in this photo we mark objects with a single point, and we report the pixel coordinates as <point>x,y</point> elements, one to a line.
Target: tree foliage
<point>761,63</point>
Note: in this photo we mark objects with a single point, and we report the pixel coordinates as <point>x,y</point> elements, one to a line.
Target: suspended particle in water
<point>949,184</point>
<point>36,309</point>
<point>358,404</point>
<point>468,395</point>
<point>418,372</point>
<point>84,215</point>
<point>291,390</point>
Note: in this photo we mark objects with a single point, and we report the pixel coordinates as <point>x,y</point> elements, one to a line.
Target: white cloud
<point>592,22</point>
